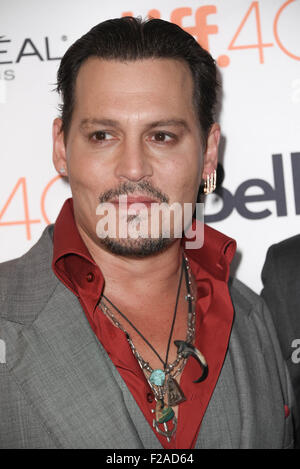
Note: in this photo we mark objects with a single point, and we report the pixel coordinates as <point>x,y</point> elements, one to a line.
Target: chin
<point>136,248</point>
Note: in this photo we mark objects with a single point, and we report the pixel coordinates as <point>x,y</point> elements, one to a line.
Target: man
<point>119,341</point>
<point>280,276</point>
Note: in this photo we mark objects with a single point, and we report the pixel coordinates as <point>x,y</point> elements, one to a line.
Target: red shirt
<point>74,266</point>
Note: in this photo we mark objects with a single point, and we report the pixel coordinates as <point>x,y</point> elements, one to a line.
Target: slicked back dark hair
<point>130,39</point>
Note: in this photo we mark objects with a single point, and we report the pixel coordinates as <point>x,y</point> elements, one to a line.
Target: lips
<point>129,200</point>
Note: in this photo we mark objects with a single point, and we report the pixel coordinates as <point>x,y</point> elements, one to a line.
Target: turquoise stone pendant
<point>157,377</point>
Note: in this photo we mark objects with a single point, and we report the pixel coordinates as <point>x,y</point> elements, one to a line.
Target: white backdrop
<point>257,46</point>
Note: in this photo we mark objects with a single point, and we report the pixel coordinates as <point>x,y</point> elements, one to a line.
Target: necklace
<point>162,381</point>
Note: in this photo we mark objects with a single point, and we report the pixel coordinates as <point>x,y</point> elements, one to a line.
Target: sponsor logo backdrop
<point>257,47</point>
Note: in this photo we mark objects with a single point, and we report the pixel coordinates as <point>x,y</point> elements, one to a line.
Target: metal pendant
<point>175,393</point>
<point>164,414</point>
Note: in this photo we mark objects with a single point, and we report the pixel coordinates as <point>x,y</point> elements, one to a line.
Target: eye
<point>101,136</point>
<point>162,137</point>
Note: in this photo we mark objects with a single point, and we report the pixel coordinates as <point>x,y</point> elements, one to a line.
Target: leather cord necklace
<point>162,381</point>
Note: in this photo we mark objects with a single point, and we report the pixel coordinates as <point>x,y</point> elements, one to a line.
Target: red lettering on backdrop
<point>154,14</point>
<point>259,45</point>
<point>43,197</point>
<point>201,30</point>
<point>275,29</point>
<point>27,222</point>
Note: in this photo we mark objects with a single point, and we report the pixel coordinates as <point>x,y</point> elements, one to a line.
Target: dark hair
<point>130,38</point>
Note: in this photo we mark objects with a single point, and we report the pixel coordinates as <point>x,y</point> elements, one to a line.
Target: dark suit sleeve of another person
<point>281,292</point>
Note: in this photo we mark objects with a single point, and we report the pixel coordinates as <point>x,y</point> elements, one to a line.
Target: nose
<point>133,162</point>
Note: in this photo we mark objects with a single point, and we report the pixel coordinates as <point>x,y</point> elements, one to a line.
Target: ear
<point>210,160</point>
<point>59,149</point>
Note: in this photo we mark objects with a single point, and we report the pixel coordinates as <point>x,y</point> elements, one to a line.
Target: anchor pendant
<point>164,414</point>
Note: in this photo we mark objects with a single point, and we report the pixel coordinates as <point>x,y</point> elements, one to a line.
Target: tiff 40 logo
<point>21,188</point>
<point>202,29</point>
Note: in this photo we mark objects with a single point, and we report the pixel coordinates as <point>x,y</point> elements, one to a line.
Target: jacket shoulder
<point>282,262</point>
<point>287,250</point>
<point>290,243</point>
<point>242,295</point>
<point>27,282</point>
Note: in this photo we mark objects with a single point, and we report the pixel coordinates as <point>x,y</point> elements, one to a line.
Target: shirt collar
<point>75,267</point>
<point>216,253</point>
<point>72,263</point>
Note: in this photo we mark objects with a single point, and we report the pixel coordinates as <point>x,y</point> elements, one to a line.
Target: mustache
<point>129,188</point>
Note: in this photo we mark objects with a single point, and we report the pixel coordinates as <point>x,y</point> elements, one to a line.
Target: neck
<point>158,272</point>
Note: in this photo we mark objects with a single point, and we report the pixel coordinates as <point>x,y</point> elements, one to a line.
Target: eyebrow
<point>89,122</point>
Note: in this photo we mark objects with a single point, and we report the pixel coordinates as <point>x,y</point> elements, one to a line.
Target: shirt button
<point>150,397</point>
<point>286,411</point>
<point>90,277</point>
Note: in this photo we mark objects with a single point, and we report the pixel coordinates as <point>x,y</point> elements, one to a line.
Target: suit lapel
<point>70,381</point>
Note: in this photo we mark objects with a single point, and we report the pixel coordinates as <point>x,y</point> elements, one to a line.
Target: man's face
<point>134,131</point>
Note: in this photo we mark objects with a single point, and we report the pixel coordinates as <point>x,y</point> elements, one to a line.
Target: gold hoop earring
<point>211,183</point>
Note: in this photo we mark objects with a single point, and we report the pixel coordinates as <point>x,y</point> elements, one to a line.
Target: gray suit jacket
<point>59,389</point>
<point>281,279</point>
